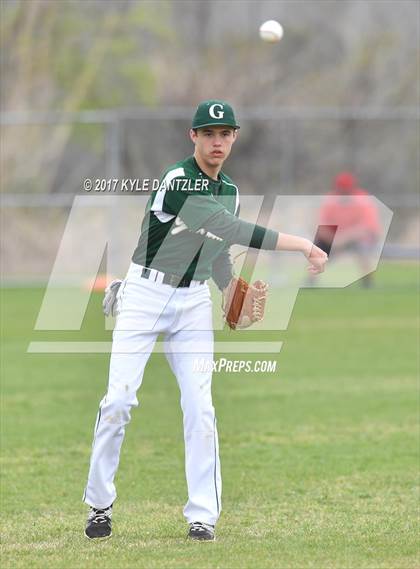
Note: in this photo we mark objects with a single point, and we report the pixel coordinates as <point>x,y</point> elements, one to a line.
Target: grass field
<point>319,460</point>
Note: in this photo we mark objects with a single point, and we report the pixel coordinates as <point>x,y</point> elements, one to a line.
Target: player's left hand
<point>317,258</point>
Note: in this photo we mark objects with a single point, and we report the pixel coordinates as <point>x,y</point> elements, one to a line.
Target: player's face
<point>214,143</point>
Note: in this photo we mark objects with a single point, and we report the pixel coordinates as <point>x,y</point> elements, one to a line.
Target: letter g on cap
<point>216,113</point>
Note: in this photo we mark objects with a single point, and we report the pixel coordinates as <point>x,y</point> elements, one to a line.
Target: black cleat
<point>201,532</point>
<point>98,524</point>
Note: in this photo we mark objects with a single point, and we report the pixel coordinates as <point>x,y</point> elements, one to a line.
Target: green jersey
<point>191,221</point>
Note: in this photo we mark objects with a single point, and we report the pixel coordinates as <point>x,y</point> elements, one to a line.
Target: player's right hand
<point>317,258</point>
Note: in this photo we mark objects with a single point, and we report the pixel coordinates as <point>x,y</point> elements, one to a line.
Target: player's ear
<point>193,134</point>
<point>235,134</point>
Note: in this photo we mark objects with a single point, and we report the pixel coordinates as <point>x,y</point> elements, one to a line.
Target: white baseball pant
<point>184,315</point>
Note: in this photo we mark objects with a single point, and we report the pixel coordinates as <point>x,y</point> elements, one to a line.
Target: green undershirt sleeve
<point>200,210</point>
<point>237,231</point>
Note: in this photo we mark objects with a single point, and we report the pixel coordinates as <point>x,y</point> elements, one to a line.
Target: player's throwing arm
<point>316,256</point>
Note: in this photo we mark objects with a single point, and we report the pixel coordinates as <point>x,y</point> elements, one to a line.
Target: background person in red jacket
<point>349,208</point>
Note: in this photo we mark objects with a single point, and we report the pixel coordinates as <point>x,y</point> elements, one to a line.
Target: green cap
<point>214,112</point>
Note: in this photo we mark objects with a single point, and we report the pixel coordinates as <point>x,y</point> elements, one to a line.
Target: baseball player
<point>189,224</point>
<point>349,207</point>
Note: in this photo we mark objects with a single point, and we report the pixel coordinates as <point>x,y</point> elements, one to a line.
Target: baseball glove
<point>243,303</point>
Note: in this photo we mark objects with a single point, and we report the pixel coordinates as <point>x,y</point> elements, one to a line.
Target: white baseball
<point>271,31</point>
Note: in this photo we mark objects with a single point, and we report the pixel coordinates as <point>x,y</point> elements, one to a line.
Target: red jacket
<point>348,210</point>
